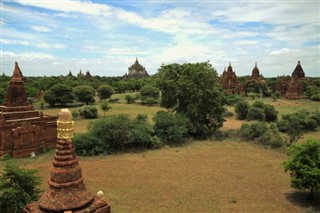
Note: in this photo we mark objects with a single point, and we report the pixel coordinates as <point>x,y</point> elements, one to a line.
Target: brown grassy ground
<point>199,177</point>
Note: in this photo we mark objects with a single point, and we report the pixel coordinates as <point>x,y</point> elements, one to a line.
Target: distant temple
<point>136,71</point>
<point>22,129</point>
<point>88,75</point>
<point>229,80</point>
<point>255,75</point>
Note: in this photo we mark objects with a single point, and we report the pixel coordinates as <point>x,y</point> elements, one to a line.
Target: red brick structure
<point>67,192</point>
<point>293,91</point>
<point>229,80</point>
<point>22,129</point>
<point>255,75</point>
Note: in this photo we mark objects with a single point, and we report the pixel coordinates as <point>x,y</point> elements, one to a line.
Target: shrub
<point>149,101</point>
<point>270,113</point>
<point>242,108</point>
<point>104,92</point>
<point>114,100</point>
<point>253,131</point>
<point>232,99</point>
<point>259,104</point>
<point>130,99</point>
<point>315,97</point>
<point>89,112</point>
<point>75,114</point>
<point>149,92</point>
<point>88,145</point>
<point>171,128</point>
<point>256,113</point>
<point>18,187</point>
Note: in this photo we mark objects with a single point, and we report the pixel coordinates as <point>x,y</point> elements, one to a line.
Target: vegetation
<point>89,112</point>
<point>242,108</point>
<point>304,166</point>
<point>59,94</point>
<point>18,187</point>
<point>84,94</point>
<point>105,107</point>
<point>105,91</point>
<point>197,94</point>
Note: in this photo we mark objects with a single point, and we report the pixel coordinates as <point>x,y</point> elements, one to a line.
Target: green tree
<point>130,99</point>
<point>84,94</point>
<point>193,89</point>
<point>18,187</point>
<point>105,91</point>
<point>241,108</point>
<point>105,107</point>
<point>304,166</point>
<point>59,94</point>
<point>149,92</point>
<point>120,86</point>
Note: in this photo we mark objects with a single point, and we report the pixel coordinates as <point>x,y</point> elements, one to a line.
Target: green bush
<point>75,114</point>
<point>89,112</point>
<point>315,97</point>
<point>256,113</point>
<point>130,99</point>
<point>149,101</point>
<point>18,187</point>
<point>271,114</point>
<point>149,92</point>
<point>171,128</point>
<point>259,104</point>
<point>88,145</point>
<point>233,99</point>
<point>253,131</point>
<point>241,108</point>
<point>114,100</point>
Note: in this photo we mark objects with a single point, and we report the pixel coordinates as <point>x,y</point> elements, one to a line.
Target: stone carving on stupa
<point>67,191</point>
<point>22,128</point>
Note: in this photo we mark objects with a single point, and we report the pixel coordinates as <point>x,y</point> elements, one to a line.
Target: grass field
<point>201,176</point>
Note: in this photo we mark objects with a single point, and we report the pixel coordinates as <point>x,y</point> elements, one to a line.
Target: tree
<point>18,187</point>
<point>304,166</point>
<point>149,92</point>
<point>84,93</point>
<point>193,89</point>
<point>105,91</point>
<point>105,107</point>
<point>241,108</point>
<point>120,86</point>
<point>130,99</point>
<point>59,94</point>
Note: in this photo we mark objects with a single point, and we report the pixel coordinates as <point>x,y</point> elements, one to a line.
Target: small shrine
<point>88,75</point>
<point>23,130</point>
<point>136,70</point>
<point>229,80</point>
<point>67,191</point>
<point>255,75</point>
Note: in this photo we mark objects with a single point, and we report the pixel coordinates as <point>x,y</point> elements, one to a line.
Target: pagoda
<point>292,91</point>
<point>255,75</point>
<point>136,70</point>
<point>67,191</point>
<point>23,130</point>
<point>229,80</point>
<point>298,72</point>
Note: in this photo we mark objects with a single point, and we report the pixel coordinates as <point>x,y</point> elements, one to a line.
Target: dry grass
<point>199,177</point>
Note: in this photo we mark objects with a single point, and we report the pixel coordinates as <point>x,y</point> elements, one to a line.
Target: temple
<point>255,75</point>
<point>67,191</point>
<point>229,80</point>
<point>22,129</point>
<point>136,70</point>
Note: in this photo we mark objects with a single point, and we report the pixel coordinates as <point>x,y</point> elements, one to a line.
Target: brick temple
<point>136,70</point>
<point>67,191</point>
<point>229,80</point>
<point>23,129</point>
<point>255,74</point>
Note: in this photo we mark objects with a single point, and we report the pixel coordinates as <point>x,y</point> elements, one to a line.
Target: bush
<point>114,100</point>
<point>18,187</point>
<point>242,108</point>
<point>270,113</point>
<point>75,114</point>
<point>232,99</point>
<point>259,104</point>
<point>149,92</point>
<point>89,112</point>
<point>171,128</point>
<point>130,99</point>
<point>88,145</point>
<point>149,101</point>
<point>253,131</point>
<point>104,92</point>
<point>315,97</point>
<point>256,113</point>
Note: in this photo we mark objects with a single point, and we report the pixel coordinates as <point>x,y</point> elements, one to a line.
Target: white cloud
<point>280,52</point>
<point>41,29</point>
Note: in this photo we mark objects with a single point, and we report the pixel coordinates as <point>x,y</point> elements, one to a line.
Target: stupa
<point>136,70</point>
<point>67,191</point>
<point>229,80</point>
<point>23,130</point>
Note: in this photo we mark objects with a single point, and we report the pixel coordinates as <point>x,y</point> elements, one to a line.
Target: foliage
<point>315,97</point>
<point>120,133</point>
<point>253,131</point>
<point>105,91</point>
<point>88,145</point>
<point>256,113</point>
<point>171,128</point>
<point>105,107</point>
<point>120,86</point>
<point>149,101</point>
<point>193,89</point>
<point>149,92</point>
<point>271,114</point>
<point>89,112</point>
<point>130,99</point>
<point>84,93</point>
<point>60,94</point>
<point>114,100</point>
<point>241,108</point>
<point>18,187</point>
<point>233,99</point>
<point>312,90</point>
<point>75,114</point>
<point>304,165</point>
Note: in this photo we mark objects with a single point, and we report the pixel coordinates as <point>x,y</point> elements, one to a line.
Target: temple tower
<point>136,70</point>
<point>229,80</point>
<point>67,191</point>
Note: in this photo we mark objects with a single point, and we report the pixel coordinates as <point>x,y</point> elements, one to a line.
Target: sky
<point>53,37</point>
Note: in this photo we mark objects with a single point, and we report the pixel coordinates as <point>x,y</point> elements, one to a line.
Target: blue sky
<point>49,37</point>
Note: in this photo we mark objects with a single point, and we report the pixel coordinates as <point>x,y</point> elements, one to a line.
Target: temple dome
<point>298,71</point>
<point>255,71</point>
